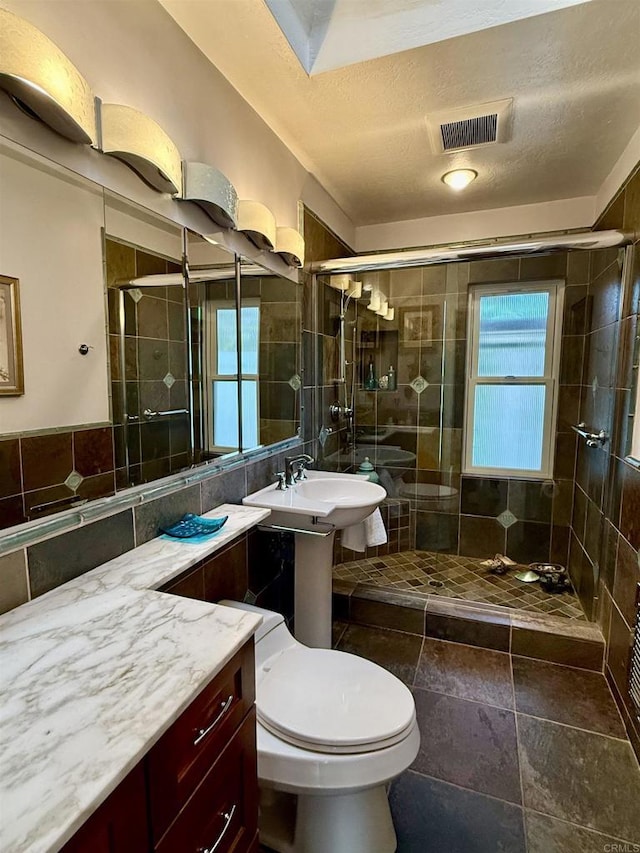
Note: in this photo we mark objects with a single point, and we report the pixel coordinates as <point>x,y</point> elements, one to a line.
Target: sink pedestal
<point>313,590</point>
<point>323,500</point>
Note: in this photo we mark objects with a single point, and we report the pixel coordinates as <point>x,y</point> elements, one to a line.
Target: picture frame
<point>417,327</point>
<point>11,366</point>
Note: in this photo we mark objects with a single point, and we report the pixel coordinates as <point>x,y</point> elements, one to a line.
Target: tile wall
<point>280,355</point>
<point>423,418</point>
<point>45,473</point>
<point>32,571</point>
<point>608,490</point>
<point>155,367</point>
<point>320,324</point>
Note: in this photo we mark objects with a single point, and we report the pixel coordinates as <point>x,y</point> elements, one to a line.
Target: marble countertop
<point>94,672</point>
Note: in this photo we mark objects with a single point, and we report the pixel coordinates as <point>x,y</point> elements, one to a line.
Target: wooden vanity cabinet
<point>195,747</point>
<point>197,788</point>
<point>120,824</point>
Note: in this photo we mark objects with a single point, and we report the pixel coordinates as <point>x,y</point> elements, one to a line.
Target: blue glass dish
<point>191,525</point>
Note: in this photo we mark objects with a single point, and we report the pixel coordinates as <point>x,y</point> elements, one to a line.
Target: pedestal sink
<point>314,509</point>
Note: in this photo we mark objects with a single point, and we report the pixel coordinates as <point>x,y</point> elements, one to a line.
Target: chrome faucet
<point>295,466</point>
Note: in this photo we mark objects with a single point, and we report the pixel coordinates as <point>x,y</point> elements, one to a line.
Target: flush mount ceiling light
<point>211,191</point>
<point>43,82</point>
<point>138,141</point>
<point>458,179</point>
<point>258,223</point>
<point>290,246</point>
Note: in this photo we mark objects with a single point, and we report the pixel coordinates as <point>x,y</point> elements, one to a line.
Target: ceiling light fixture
<point>458,179</point>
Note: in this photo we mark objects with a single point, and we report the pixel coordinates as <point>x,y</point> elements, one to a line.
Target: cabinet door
<point>120,824</point>
<point>222,814</point>
<point>185,753</point>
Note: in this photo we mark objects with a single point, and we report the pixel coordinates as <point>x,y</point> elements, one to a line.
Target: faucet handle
<point>282,481</point>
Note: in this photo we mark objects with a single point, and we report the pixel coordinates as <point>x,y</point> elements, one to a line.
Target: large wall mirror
<point>132,372</point>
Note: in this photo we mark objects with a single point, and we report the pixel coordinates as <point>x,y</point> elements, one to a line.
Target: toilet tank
<point>272,636</point>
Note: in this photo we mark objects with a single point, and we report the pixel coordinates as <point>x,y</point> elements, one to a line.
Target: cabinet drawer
<point>184,754</point>
<point>120,824</point>
<point>222,814</point>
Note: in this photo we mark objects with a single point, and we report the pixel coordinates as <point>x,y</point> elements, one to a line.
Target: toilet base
<point>357,822</point>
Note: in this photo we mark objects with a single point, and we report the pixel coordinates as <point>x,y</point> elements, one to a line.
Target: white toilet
<point>333,730</point>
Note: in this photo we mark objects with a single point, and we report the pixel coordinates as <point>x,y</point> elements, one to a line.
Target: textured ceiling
<point>574,75</point>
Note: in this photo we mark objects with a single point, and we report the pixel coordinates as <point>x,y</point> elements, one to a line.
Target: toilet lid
<point>331,701</point>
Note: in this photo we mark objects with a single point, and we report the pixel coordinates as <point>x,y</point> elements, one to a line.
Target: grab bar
<point>150,415</point>
<point>72,500</point>
<point>592,439</point>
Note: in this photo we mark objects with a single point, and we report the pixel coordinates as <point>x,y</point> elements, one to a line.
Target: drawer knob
<point>228,817</point>
<point>202,733</point>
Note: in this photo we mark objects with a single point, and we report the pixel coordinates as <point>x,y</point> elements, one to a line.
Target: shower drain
<point>439,584</point>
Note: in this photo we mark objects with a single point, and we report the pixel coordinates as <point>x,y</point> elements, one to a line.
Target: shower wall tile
<point>502,269</point>
<point>481,537</point>
<point>483,496</point>
<point>529,541</point>
<point>543,266</point>
<point>578,265</point>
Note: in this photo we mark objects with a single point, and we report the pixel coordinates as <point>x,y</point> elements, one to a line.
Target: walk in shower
<point>468,380</point>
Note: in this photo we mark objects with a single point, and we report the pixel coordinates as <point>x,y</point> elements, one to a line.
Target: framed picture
<point>11,373</point>
<point>417,327</point>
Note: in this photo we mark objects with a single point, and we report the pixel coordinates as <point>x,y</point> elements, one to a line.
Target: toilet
<point>430,497</point>
<point>333,729</point>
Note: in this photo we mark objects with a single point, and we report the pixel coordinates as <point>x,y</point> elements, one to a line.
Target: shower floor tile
<point>432,573</point>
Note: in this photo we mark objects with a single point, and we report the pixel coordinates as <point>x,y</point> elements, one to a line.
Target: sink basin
<point>336,499</point>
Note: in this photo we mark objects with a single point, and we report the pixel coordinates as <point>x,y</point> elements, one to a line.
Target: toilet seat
<point>334,702</point>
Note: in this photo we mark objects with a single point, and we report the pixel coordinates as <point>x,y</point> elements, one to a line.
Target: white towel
<point>367,534</point>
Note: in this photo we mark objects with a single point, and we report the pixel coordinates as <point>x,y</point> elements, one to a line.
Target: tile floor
<point>431,573</point>
<point>517,755</point>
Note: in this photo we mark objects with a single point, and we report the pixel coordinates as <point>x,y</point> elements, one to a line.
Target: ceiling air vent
<point>468,127</point>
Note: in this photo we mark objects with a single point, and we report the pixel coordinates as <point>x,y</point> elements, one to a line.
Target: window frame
<point>211,368</point>
<point>550,380</point>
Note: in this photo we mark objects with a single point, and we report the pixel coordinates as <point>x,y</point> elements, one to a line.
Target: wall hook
<point>83,349</point>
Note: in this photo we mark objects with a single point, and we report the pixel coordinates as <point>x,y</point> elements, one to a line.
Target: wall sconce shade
<point>212,191</point>
<point>138,141</point>
<point>43,82</point>
<point>377,297</point>
<point>382,310</point>
<point>258,223</point>
<point>390,315</point>
<point>290,246</point>
<point>340,282</point>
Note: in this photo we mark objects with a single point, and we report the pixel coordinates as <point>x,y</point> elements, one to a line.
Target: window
<point>222,358</point>
<point>514,354</point>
